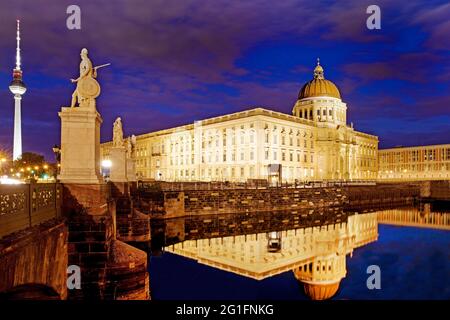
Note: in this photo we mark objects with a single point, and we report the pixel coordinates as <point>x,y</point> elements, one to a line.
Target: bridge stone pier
<point>110,269</point>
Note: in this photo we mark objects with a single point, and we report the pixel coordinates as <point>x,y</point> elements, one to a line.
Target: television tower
<point>18,88</point>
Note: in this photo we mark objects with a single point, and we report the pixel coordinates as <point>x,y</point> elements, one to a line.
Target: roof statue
<point>118,133</point>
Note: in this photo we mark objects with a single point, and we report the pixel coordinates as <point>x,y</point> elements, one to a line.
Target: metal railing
<point>27,205</point>
<point>252,184</point>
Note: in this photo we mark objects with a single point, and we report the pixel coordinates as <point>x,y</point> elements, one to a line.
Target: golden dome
<point>319,86</point>
<point>321,291</point>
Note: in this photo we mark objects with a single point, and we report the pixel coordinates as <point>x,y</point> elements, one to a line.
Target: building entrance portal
<point>274,174</point>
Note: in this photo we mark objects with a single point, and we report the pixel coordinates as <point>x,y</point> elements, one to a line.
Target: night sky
<point>174,62</point>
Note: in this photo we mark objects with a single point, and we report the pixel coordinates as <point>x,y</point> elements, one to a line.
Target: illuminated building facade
<point>415,163</point>
<point>314,143</point>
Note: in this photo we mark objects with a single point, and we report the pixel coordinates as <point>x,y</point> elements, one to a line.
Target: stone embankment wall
<point>197,202</point>
<point>167,204</point>
<point>381,195</point>
<point>439,190</point>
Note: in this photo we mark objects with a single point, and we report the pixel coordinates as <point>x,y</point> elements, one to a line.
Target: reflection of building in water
<point>415,217</point>
<point>316,254</point>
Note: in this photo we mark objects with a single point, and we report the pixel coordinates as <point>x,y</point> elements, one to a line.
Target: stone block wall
<point>197,202</point>
<point>381,195</point>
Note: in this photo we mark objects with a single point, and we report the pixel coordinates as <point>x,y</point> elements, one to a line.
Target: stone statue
<point>130,145</point>
<point>118,133</point>
<point>133,144</point>
<point>87,87</point>
<point>129,148</point>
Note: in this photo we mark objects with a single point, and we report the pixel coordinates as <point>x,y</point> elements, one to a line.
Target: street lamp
<point>57,151</point>
<point>106,165</point>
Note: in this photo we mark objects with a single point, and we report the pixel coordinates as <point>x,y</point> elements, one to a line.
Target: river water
<point>276,256</point>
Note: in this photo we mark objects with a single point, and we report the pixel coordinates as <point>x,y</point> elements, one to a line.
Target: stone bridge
<point>33,242</point>
<point>45,228</point>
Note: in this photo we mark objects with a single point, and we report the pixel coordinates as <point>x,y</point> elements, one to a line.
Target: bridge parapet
<point>26,205</point>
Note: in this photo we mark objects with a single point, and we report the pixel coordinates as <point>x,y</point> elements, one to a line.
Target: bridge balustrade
<point>27,205</point>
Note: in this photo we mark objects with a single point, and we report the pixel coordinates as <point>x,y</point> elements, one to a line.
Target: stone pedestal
<point>118,158</point>
<point>80,146</point>
<point>131,170</point>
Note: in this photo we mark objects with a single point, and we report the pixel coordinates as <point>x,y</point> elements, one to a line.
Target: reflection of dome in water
<point>321,291</point>
<point>322,276</point>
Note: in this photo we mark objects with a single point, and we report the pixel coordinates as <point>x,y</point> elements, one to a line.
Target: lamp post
<point>57,151</point>
<point>106,168</point>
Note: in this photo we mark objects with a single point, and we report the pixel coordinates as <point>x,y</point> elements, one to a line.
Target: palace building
<point>415,163</point>
<point>314,143</point>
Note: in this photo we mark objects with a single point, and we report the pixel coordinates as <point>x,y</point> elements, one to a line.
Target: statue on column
<point>87,89</point>
<point>118,133</point>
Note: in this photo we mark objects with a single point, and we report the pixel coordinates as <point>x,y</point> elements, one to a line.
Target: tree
<point>5,161</point>
<point>31,165</point>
